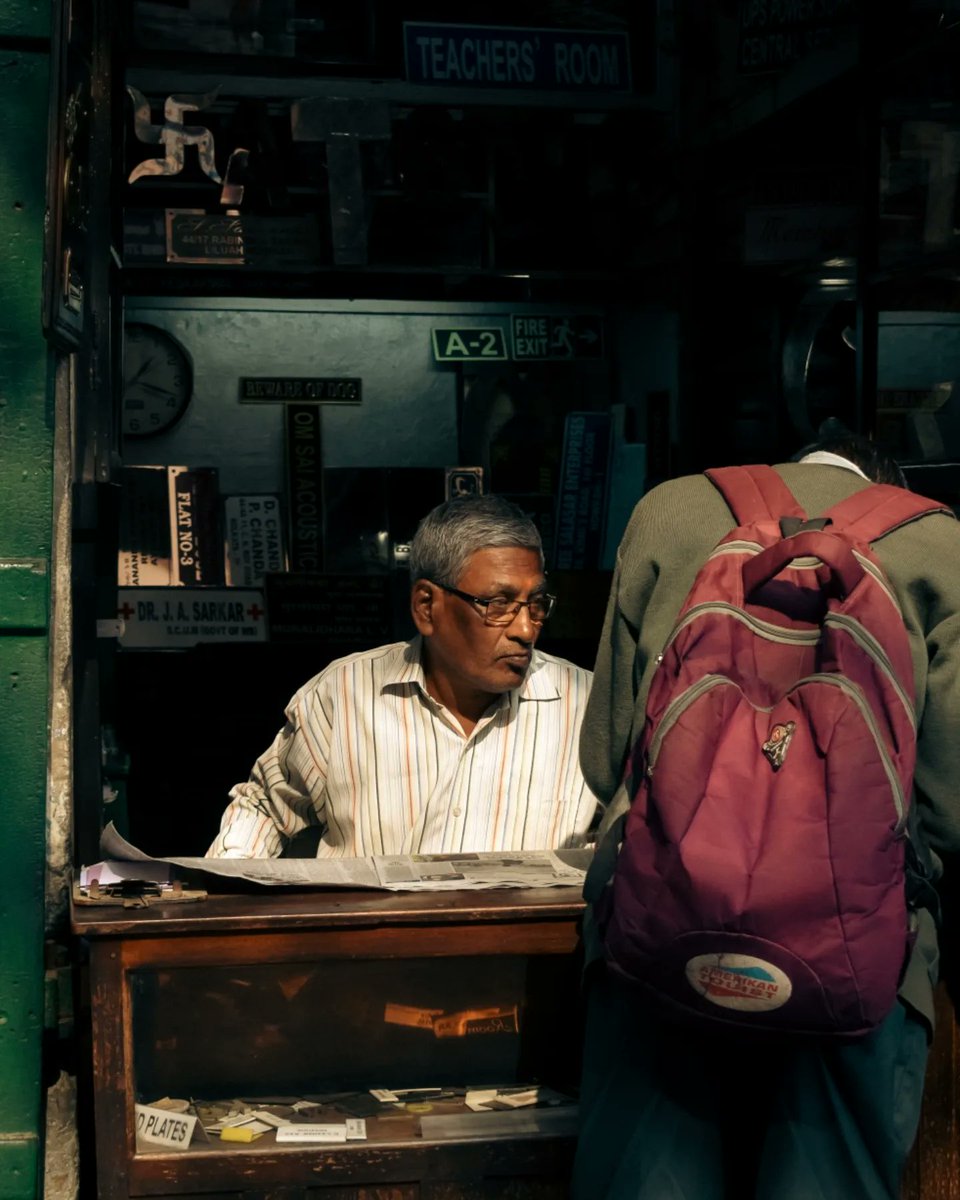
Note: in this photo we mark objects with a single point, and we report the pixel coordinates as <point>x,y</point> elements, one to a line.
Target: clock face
<point>157,380</point>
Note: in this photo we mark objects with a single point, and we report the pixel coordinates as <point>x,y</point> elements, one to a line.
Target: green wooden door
<point>26,445</point>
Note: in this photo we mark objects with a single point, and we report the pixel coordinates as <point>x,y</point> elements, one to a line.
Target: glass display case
<point>440,1031</point>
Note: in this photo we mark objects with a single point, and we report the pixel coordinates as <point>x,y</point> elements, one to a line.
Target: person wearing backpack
<point>772,732</point>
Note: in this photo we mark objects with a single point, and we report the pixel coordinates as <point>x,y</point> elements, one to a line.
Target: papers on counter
<point>405,873</point>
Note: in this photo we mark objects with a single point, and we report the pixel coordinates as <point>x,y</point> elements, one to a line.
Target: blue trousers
<point>671,1113</point>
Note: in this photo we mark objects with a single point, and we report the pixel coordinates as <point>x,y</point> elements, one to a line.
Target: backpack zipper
<point>736,548</point>
<point>856,695</point>
<point>878,579</point>
<point>680,703</point>
<point>796,637</point>
<point>766,629</point>
<point>869,643</point>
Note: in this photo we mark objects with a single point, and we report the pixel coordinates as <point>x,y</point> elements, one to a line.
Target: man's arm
<point>937,773</point>
<point>670,533</point>
<point>607,720</point>
<point>608,725</point>
<point>286,789</point>
<point>922,561</point>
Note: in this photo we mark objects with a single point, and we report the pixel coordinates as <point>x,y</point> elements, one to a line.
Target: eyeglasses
<point>500,610</point>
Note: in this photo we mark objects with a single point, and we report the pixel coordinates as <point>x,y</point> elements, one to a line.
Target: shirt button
<point>457,812</point>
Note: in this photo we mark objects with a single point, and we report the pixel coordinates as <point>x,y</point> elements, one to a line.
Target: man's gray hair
<point>451,532</point>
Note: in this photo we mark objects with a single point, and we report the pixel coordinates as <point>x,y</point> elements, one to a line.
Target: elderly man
<point>463,739</point>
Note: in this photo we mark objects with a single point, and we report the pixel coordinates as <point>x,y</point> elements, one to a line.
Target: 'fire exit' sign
<point>568,335</point>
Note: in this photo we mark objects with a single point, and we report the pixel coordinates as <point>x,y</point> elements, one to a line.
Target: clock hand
<point>143,367</point>
<point>152,387</point>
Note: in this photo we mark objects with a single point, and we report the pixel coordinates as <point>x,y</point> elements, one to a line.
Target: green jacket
<point>669,536</point>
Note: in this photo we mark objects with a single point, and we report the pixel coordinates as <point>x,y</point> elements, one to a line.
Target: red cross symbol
<point>126,611</point>
<point>255,611</point>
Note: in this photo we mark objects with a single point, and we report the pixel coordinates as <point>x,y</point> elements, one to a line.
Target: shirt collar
<point>407,668</point>
<point>829,459</point>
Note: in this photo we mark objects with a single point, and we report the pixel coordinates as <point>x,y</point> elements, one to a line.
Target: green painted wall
<point>26,445</point>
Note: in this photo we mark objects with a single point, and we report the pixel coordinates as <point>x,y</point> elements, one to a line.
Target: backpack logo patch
<point>778,743</point>
<point>739,981</point>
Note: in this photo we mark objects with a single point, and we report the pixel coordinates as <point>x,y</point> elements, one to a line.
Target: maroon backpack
<point>760,881</point>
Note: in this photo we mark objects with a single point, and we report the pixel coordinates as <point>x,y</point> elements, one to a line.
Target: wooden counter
<point>284,994</point>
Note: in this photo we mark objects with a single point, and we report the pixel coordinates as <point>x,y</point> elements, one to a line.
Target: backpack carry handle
<point>829,549</point>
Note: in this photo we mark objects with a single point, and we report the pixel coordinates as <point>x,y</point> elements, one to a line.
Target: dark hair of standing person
<point>877,464</point>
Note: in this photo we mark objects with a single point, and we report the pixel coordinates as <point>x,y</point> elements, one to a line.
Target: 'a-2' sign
<point>469,344</point>
<point>568,335</point>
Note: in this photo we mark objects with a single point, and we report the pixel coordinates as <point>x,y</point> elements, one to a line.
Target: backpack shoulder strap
<point>755,493</point>
<point>880,508</point>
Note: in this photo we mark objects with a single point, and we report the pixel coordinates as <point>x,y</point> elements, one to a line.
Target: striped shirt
<point>385,769</point>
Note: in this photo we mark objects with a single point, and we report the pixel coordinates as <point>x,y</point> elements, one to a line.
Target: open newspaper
<point>393,872</point>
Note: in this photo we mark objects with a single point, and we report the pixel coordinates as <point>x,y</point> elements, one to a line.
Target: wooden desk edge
<point>277,909</point>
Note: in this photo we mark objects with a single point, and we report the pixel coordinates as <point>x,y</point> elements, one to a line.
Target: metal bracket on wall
<point>342,125</point>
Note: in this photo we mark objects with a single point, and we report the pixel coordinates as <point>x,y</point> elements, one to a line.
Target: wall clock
<point>157,380</point>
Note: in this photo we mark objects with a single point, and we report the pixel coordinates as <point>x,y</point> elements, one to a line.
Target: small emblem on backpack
<point>739,981</point>
<point>776,746</point>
